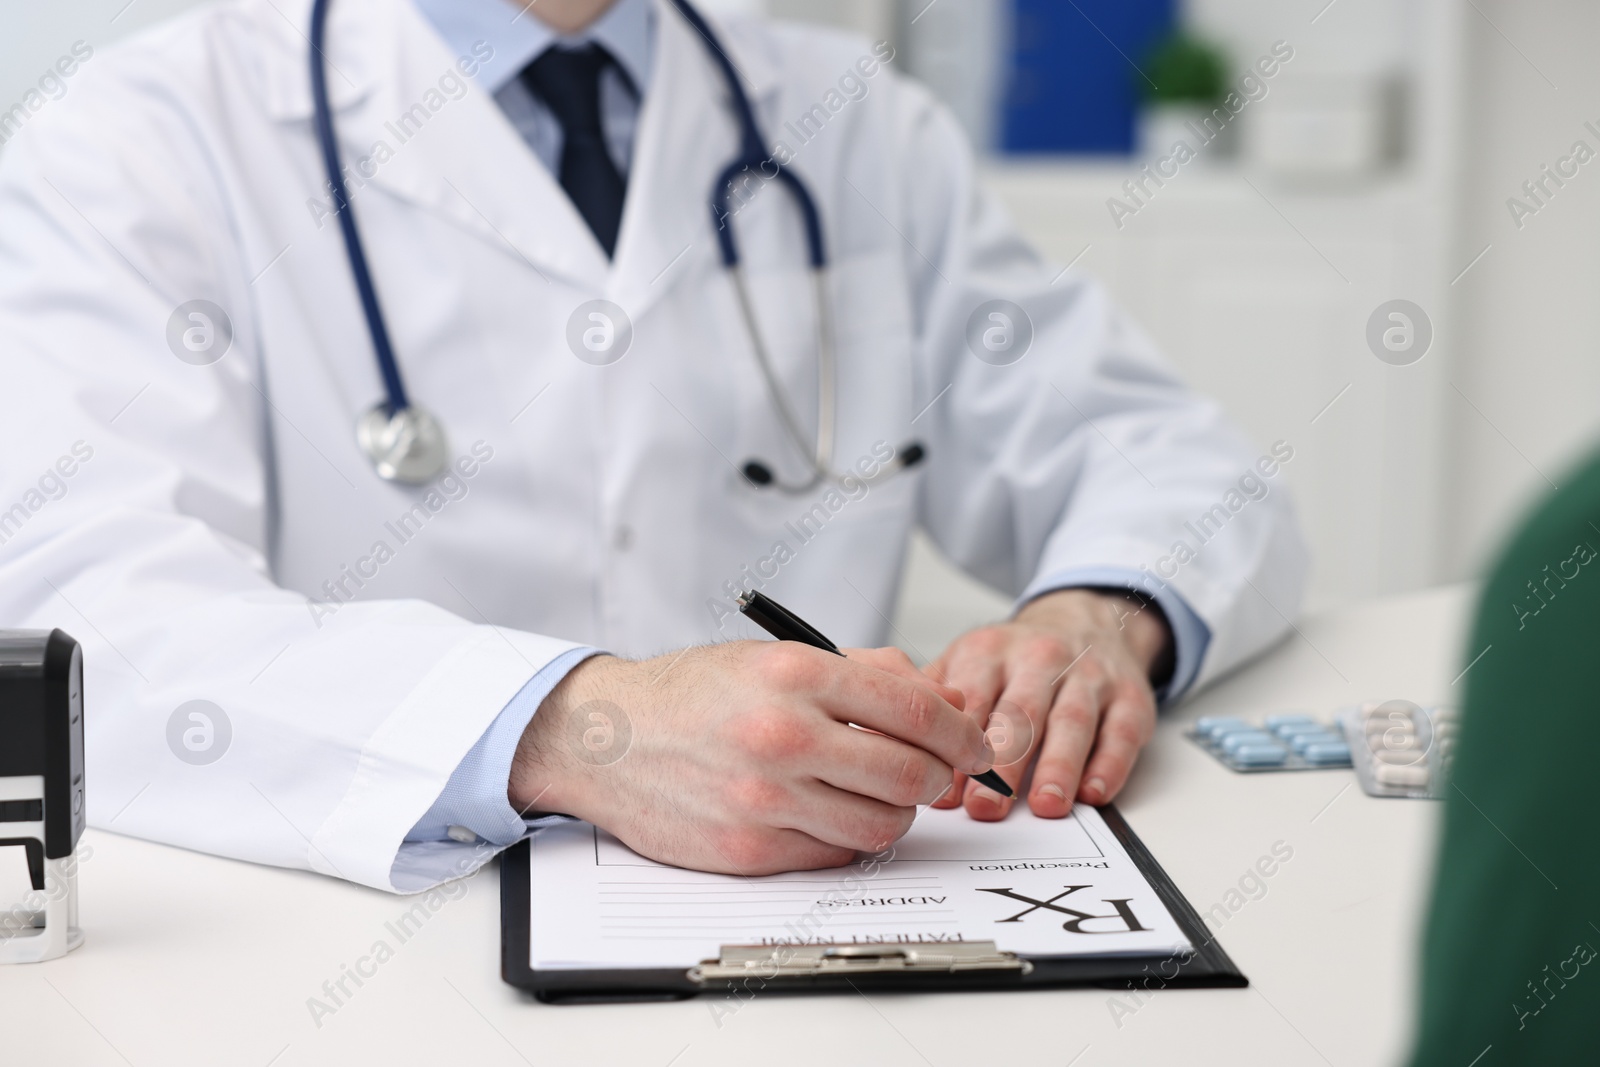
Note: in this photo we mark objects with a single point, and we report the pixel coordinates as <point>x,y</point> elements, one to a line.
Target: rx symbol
<point>1074,924</point>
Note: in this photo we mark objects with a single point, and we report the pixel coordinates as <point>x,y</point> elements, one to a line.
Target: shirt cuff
<point>474,799</point>
<point>1190,634</point>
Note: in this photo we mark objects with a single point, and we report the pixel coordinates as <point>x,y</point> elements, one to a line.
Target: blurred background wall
<point>1374,165</point>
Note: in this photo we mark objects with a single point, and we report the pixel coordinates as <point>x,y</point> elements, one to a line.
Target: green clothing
<point>1510,962</point>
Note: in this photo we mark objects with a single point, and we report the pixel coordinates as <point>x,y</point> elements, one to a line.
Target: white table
<point>192,959</point>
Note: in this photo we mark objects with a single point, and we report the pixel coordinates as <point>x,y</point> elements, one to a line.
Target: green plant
<point>1183,69</point>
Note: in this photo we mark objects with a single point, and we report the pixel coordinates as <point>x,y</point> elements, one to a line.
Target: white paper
<point>1040,887</point>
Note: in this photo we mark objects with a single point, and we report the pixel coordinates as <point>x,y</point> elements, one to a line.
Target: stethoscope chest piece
<point>406,446</point>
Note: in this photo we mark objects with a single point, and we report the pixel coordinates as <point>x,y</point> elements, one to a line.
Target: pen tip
<point>993,781</point>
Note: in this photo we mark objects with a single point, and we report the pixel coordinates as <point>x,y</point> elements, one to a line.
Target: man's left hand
<point>1065,684</point>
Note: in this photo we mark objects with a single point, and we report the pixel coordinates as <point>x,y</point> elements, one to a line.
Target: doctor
<point>384,654</point>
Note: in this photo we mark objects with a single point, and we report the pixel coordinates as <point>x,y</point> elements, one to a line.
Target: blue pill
<point>1259,755</point>
<point>1291,730</point>
<point>1327,752</point>
<point>1301,742</point>
<point>1212,725</point>
<point>1233,742</point>
<point>1275,721</point>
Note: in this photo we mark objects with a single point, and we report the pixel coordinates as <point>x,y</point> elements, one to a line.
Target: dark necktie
<point>568,82</point>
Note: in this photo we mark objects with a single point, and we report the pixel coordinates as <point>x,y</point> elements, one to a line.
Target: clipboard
<point>926,967</point>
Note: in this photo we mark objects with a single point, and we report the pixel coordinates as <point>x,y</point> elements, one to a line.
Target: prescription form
<point>1039,887</point>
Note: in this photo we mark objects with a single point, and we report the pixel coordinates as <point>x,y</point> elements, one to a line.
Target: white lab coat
<point>194,550</point>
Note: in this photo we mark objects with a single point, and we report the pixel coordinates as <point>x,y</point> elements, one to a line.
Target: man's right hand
<point>740,757</point>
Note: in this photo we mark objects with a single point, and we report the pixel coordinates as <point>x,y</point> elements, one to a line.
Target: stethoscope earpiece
<point>759,475</point>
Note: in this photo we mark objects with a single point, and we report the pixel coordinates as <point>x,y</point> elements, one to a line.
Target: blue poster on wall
<point>1073,76</point>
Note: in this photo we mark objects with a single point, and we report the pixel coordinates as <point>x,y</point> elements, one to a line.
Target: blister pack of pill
<point>1400,749</point>
<point>1286,742</point>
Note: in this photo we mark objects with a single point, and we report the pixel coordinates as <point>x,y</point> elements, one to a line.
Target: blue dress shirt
<point>626,31</point>
<point>473,805</point>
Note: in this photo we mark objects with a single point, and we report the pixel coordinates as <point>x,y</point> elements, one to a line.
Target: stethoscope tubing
<point>752,153</point>
<point>383,349</point>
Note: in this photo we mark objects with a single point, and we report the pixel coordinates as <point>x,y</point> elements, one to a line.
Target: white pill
<point>1387,774</point>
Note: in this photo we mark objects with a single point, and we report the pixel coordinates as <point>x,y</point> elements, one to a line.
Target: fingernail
<point>1096,788</point>
<point>1053,791</point>
<point>983,796</point>
<point>987,758</point>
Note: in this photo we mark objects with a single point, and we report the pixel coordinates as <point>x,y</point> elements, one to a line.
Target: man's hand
<point>741,757</point>
<point>1066,683</point>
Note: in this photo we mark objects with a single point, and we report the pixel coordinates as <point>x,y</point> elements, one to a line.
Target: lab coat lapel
<point>462,160</point>
<point>687,136</point>
<point>402,130</point>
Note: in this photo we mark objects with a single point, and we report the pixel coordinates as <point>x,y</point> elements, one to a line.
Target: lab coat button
<point>622,539</point>
<point>462,834</point>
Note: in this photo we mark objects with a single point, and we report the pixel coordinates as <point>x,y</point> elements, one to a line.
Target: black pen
<point>785,625</point>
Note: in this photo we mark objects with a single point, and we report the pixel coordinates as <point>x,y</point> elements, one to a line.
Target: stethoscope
<point>407,444</point>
